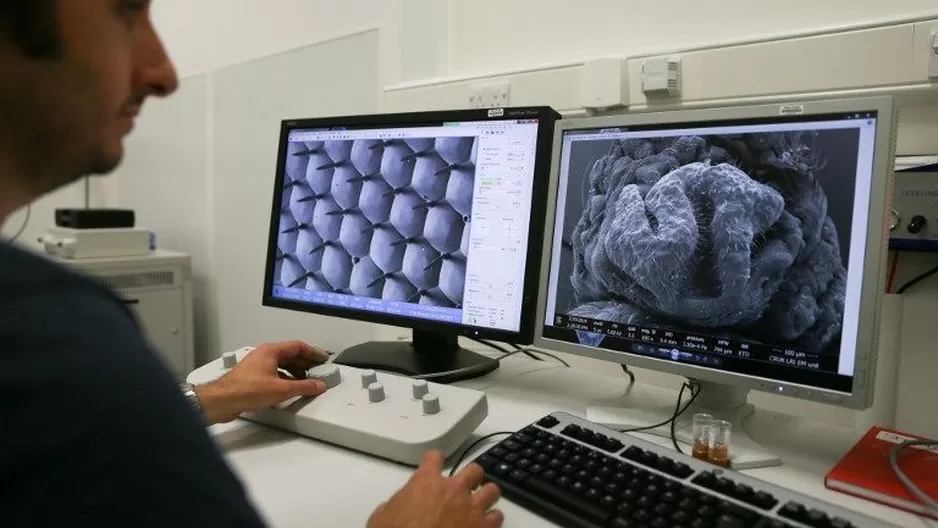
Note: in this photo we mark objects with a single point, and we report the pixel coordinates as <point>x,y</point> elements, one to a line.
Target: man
<point>93,430</point>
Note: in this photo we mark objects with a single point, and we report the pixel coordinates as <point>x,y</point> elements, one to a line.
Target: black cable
<point>677,410</point>
<point>526,352</point>
<point>629,373</point>
<point>502,349</point>
<point>902,289</point>
<point>469,449</point>
<point>695,391</point>
<point>22,229</point>
<point>548,354</point>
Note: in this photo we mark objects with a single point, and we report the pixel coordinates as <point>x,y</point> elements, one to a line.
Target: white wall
<point>493,35</point>
<point>429,54</point>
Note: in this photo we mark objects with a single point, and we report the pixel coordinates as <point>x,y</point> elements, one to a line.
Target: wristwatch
<point>188,390</point>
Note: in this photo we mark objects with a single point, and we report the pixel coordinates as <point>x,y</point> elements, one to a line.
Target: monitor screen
<point>737,246</point>
<point>411,221</point>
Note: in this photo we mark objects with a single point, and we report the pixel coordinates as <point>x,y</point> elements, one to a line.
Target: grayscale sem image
<point>743,236</point>
<point>384,219</point>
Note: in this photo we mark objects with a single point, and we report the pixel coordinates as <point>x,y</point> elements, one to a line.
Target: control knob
<point>368,377</point>
<point>420,389</point>
<point>431,404</point>
<point>916,224</point>
<point>376,392</point>
<point>330,374</point>
<point>229,360</point>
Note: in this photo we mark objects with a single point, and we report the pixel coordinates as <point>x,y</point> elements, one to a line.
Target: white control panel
<point>385,415</point>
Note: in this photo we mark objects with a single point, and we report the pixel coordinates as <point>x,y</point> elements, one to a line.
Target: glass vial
<point>701,439</point>
<point>720,434</point>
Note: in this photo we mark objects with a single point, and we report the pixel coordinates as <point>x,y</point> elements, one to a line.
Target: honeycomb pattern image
<point>382,219</point>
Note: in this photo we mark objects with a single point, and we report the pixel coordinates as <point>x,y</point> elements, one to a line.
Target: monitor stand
<point>723,402</point>
<point>433,356</point>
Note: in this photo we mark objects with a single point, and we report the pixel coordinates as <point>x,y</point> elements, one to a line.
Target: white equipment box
<point>158,289</point>
<point>70,243</point>
<point>377,413</point>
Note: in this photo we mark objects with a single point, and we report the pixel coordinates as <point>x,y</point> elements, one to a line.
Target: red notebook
<point>865,471</point>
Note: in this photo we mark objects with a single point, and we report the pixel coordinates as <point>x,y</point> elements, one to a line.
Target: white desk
<point>300,483</point>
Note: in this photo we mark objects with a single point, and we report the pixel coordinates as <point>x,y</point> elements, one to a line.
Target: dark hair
<point>32,26</point>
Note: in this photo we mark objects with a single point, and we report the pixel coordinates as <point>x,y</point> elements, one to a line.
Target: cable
<point>677,410</point>
<point>929,502</point>
<point>695,391</point>
<point>902,289</point>
<point>893,266</point>
<point>502,349</point>
<point>629,373</point>
<point>22,229</point>
<point>469,449</point>
<point>548,354</point>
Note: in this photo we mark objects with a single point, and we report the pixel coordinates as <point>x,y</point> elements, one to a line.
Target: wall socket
<point>495,95</point>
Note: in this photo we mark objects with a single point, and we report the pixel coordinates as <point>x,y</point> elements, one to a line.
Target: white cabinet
<point>158,289</point>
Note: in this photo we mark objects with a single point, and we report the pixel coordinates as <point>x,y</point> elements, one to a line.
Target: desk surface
<point>300,483</point>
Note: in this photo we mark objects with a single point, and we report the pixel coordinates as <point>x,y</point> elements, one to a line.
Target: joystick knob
<point>368,377</point>
<point>330,374</point>
<point>916,224</point>
<point>420,389</point>
<point>431,404</point>
<point>376,392</point>
<point>229,360</point>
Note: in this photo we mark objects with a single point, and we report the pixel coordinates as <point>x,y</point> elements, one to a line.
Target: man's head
<point>73,75</point>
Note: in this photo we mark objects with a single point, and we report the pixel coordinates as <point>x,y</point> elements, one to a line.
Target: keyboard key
<point>548,422</point>
<point>594,512</point>
<point>793,510</point>
<point>511,445</point>
<point>728,521</point>
<point>763,500</point>
<point>486,461</point>
<point>497,452</point>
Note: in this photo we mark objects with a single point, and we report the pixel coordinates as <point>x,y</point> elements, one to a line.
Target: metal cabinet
<point>158,289</point>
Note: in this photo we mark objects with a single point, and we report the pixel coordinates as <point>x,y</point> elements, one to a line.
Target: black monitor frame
<point>546,116</point>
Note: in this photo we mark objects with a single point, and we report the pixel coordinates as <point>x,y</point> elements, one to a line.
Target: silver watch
<point>188,390</point>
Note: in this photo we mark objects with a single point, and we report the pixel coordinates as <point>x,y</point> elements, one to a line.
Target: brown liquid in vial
<point>720,455</point>
<point>701,451</point>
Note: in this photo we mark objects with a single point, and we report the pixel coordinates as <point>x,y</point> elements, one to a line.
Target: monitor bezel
<point>547,118</point>
<point>874,261</point>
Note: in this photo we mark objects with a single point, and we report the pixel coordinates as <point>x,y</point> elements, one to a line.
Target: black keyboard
<point>581,475</point>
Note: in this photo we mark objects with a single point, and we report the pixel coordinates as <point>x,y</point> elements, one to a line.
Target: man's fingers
<point>297,352</point>
<point>494,519</point>
<point>487,496</point>
<point>306,388</point>
<point>471,476</point>
<point>432,463</point>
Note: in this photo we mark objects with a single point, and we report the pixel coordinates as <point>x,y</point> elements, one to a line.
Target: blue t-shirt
<point>93,428</point>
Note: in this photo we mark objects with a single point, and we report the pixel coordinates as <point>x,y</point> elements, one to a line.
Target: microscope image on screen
<point>735,236</point>
<point>381,219</point>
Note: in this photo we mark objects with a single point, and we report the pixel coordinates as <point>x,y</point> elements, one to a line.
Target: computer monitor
<point>429,220</point>
<point>742,247</point>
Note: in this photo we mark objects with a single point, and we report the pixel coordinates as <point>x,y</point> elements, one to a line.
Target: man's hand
<point>255,382</point>
<point>430,500</point>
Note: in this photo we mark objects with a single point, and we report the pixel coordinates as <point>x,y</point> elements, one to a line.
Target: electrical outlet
<point>495,95</point>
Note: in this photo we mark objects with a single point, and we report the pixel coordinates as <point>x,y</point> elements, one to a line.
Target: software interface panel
<point>735,246</point>
<point>423,222</point>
